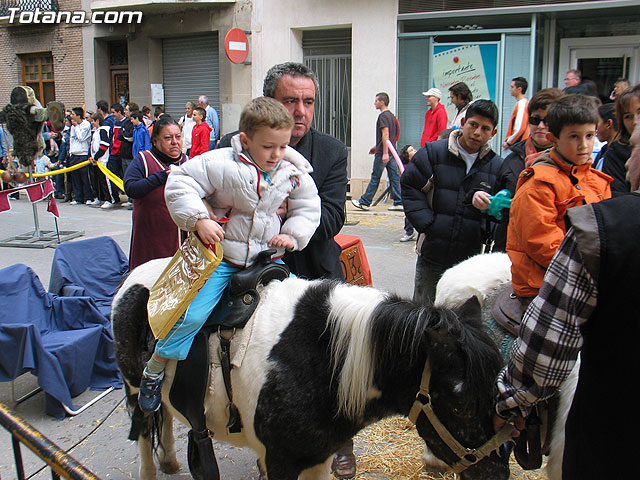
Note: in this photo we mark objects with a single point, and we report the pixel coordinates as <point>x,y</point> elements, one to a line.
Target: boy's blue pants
<point>177,343</point>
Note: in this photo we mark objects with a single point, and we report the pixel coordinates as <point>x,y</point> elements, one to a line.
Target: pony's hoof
<point>170,467</point>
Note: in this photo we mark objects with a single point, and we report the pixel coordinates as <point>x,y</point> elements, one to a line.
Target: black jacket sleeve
<point>416,175</point>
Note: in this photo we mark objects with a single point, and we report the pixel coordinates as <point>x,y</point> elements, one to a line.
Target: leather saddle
<point>507,310</point>
<point>187,395</point>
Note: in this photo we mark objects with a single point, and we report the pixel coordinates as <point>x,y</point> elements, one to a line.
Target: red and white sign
<point>236,45</point>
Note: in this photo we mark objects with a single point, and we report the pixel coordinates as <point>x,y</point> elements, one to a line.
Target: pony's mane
<point>350,313</point>
<point>370,327</point>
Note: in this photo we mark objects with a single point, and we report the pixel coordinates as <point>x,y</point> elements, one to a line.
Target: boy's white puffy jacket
<point>235,188</point>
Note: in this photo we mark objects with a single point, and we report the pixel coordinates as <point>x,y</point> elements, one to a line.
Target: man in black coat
<point>295,86</point>
<point>438,193</point>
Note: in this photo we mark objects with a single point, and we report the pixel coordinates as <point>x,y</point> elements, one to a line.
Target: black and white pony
<point>484,277</point>
<point>321,361</point>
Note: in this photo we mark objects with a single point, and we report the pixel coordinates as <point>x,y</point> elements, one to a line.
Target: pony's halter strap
<point>466,456</point>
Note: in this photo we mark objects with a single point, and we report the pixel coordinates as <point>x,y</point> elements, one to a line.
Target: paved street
<point>98,437</point>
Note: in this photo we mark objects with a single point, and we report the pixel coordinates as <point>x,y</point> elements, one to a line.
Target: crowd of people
<point>113,135</point>
<point>293,178</point>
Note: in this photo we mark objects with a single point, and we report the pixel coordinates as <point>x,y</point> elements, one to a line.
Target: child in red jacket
<point>200,133</point>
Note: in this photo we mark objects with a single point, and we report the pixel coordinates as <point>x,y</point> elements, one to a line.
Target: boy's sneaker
<point>397,208</point>
<point>408,238</point>
<point>150,395</point>
<point>107,205</point>
<point>74,202</point>
<point>125,204</point>
<point>361,206</point>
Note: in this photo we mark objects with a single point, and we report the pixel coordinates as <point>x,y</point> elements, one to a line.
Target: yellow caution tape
<point>117,181</point>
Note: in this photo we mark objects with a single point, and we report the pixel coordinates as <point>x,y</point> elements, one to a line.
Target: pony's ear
<point>470,311</point>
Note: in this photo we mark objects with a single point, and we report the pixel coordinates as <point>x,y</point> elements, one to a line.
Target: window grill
<point>28,6</point>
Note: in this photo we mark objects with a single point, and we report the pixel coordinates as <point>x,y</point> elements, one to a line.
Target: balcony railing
<point>28,5</point>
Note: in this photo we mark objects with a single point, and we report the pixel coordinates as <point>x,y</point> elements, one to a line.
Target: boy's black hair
<point>521,82</point>
<point>137,114</point>
<point>103,105</point>
<point>607,112</point>
<point>404,154</point>
<point>78,111</point>
<point>383,97</point>
<point>571,110</point>
<point>483,108</point>
<point>201,111</point>
<point>117,107</point>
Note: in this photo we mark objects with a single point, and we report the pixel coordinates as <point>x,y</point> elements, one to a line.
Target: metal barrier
<point>61,464</point>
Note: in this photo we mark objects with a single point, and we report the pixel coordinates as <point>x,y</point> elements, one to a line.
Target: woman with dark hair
<point>619,150</point>
<point>153,232</point>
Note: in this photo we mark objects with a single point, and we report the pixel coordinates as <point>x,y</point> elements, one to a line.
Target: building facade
<point>174,51</point>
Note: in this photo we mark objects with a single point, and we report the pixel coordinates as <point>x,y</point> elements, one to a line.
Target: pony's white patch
<point>433,463</point>
<point>319,472</point>
<point>275,311</point>
<point>566,392</point>
<point>479,276</point>
<point>349,320</point>
<point>146,275</point>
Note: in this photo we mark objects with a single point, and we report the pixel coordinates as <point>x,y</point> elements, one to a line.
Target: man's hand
<point>372,150</point>
<point>505,145</point>
<point>499,422</point>
<point>209,231</point>
<point>481,200</point>
<point>385,158</point>
<point>282,241</point>
<point>282,209</point>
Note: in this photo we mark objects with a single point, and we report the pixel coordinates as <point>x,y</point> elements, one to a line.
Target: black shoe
<point>150,395</point>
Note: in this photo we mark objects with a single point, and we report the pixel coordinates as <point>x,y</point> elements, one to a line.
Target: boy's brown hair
<point>98,117</point>
<point>264,112</point>
<point>573,109</point>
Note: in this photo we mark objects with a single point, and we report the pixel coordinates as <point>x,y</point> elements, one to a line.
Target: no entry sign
<point>236,45</point>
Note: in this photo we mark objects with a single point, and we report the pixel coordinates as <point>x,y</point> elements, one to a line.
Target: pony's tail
<point>133,342</point>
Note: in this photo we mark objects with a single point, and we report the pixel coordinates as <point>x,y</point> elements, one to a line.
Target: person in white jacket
<point>247,186</point>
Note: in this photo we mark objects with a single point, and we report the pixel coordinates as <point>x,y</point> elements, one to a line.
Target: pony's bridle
<point>466,456</point>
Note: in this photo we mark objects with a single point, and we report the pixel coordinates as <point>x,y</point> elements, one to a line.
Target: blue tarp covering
<point>92,268</point>
<point>65,341</point>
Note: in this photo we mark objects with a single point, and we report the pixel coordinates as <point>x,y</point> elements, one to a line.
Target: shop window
<point>37,73</point>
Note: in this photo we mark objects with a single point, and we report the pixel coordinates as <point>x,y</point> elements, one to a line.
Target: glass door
<point>602,60</point>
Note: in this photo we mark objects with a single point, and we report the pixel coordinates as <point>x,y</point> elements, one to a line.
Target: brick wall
<point>62,40</point>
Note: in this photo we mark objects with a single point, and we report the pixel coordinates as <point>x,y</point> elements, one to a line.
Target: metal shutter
<point>190,69</point>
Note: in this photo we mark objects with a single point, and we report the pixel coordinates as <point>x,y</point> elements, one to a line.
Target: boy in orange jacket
<point>558,179</point>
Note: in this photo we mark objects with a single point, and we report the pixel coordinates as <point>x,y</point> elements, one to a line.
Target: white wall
<point>277,27</point>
